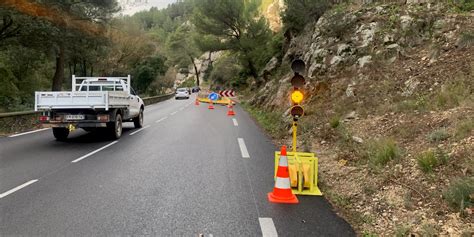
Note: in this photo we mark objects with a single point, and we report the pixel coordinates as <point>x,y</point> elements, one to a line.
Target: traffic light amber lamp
<point>297,96</point>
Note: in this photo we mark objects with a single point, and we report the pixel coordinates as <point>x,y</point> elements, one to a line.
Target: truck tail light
<point>44,118</point>
<point>103,117</point>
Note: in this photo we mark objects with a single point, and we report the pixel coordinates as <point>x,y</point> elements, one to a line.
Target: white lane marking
<point>243,148</point>
<point>92,153</point>
<point>161,119</point>
<point>268,227</point>
<point>139,130</point>
<point>17,188</point>
<point>21,134</point>
<point>174,113</point>
<point>181,109</point>
<point>235,122</point>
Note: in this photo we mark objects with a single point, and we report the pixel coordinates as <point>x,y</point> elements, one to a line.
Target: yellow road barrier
<point>303,169</point>
<point>221,101</point>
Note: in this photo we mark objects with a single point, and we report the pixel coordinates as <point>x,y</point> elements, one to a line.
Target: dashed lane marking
<point>25,133</point>
<point>139,130</point>
<point>268,227</point>
<point>243,148</point>
<point>17,188</point>
<point>161,120</point>
<point>235,122</point>
<point>92,153</point>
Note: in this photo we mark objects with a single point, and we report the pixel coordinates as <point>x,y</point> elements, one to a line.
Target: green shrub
<point>380,152</point>
<point>464,128</point>
<point>466,39</point>
<point>335,121</point>
<point>427,161</point>
<point>458,193</point>
<point>438,135</point>
<point>402,231</point>
<point>270,120</point>
<point>431,159</point>
<point>464,5</point>
<point>298,14</point>
<point>454,93</point>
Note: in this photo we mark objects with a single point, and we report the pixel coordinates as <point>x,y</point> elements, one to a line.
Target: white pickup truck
<point>94,102</point>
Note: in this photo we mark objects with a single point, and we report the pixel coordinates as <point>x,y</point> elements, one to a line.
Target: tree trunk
<point>59,73</point>
<point>196,71</point>
<point>84,68</point>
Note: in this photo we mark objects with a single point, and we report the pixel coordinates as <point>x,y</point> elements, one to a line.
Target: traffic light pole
<point>295,127</point>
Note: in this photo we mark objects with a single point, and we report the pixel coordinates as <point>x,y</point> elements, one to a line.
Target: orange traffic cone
<point>197,102</point>
<point>211,106</point>
<point>230,112</point>
<point>282,190</point>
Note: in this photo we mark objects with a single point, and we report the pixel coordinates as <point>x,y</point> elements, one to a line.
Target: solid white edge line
<point>17,188</point>
<point>92,153</point>
<point>235,122</point>
<point>268,227</point>
<point>160,120</point>
<point>25,133</point>
<point>174,113</point>
<point>243,148</point>
<point>139,130</point>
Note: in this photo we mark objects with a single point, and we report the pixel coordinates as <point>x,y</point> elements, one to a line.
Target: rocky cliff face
<point>271,10</point>
<point>391,77</point>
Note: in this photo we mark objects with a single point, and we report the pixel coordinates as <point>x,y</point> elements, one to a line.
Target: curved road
<point>184,174</point>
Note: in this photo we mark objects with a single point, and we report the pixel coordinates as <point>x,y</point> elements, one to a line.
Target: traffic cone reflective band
<point>197,102</point>
<point>230,112</point>
<point>211,106</point>
<point>282,190</point>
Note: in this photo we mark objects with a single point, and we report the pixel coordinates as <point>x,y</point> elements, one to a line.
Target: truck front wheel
<point>115,128</point>
<point>60,133</point>
<point>138,121</point>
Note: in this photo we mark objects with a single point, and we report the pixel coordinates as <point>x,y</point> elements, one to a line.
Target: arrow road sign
<point>227,93</point>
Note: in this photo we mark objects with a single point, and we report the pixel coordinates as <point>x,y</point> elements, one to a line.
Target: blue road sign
<point>213,96</point>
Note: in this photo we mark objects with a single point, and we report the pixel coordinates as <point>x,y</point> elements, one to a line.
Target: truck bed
<point>48,100</point>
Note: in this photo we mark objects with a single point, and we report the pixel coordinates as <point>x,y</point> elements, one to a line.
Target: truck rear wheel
<point>138,121</point>
<point>60,133</point>
<point>115,128</point>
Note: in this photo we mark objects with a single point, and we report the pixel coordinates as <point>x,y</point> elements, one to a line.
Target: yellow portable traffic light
<point>297,95</point>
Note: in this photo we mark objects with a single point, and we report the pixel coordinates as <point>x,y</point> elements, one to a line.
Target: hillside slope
<point>390,113</point>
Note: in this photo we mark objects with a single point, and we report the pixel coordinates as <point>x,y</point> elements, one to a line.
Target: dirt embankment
<point>389,112</point>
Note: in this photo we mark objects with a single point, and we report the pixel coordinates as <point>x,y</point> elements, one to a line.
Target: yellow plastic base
<point>305,167</point>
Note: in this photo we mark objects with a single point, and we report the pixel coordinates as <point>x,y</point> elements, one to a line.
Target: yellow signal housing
<point>297,96</point>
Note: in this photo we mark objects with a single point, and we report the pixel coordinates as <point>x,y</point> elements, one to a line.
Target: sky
<point>151,3</point>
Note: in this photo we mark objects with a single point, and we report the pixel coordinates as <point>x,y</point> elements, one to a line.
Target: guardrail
<point>157,99</point>
<point>24,120</point>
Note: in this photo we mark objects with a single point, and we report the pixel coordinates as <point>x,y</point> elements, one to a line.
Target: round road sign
<point>213,96</point>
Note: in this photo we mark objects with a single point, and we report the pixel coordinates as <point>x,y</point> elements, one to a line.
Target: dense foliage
<point>44,42</point>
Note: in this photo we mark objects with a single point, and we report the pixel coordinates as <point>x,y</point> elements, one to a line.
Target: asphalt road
<point>183,175</point>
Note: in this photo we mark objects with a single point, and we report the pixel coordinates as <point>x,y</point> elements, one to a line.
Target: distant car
<point>196,89</point>
<point>182,93</point>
